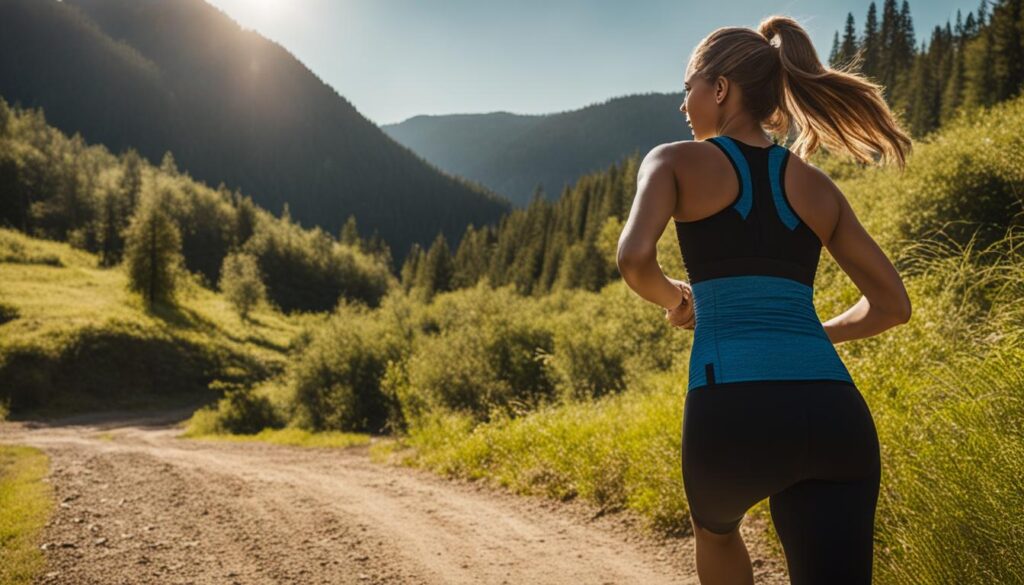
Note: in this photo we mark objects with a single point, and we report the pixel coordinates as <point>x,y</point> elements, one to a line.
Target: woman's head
<point>775,77</point>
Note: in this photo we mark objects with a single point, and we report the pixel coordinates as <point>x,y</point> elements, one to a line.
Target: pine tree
<point>978,61</point>
<point>924,107</point>
<point>848,48</point>
<point>887,34</point>
<point>434,273</point>
<point>378,247</point>
<point>168,165</point>
<point>872,43</point>
<point>245,218</point>
<point>952,95</point>
<point>349,234</point>
<point>970,26</point>
<point>130,183</point>
<point>111,225</point>
<point>410,267</point>
<point>907,40</point>
<point>1007,50</point>
<point>153,251</point>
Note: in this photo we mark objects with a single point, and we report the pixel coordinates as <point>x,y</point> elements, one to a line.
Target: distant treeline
<point>60,188</point>
<point>976,61</point>
<point>563,244</point>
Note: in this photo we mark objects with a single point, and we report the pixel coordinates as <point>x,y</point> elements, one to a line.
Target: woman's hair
<point>784,83</point>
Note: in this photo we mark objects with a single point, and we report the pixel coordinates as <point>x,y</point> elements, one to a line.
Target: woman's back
<point>751,265</point>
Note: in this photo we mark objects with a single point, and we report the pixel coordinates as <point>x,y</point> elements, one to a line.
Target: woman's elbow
<point>904,311</point>
<point>627,256</point>
<point>630,260</point>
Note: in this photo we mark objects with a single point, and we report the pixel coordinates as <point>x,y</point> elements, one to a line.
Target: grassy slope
<point>74,338</point>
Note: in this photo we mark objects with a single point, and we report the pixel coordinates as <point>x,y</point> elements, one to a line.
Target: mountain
<point>512,153</point>
<point>232,107</point>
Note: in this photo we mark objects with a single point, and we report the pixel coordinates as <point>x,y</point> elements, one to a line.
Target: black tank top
<point>752,268</point>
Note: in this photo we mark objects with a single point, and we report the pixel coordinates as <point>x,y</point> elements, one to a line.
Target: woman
<point>771,410</point>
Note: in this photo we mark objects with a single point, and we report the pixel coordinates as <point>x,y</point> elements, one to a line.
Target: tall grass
<point>26,503</point>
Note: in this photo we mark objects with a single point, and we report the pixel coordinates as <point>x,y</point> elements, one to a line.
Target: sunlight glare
<point>266,8</point>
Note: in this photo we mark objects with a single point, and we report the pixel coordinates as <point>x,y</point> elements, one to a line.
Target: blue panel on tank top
<point>775,158</point>
<point>755,327</point>
<point>746,200</point>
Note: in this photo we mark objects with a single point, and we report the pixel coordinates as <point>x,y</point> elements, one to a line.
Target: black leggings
<point>811,447</point>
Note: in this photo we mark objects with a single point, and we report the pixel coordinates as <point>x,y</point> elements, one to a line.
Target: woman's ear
<point>721,89</point>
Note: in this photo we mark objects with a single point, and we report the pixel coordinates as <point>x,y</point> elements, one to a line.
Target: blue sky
<point>394,59</point>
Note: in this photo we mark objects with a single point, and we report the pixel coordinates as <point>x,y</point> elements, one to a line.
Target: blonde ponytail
<point>784,83</point>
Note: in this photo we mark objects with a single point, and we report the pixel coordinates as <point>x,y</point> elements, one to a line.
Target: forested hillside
<point>515,154</point>
<point>60,188</point>
<point>233,107</point>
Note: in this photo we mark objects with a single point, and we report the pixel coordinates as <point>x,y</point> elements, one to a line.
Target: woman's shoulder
<point>684,154</point>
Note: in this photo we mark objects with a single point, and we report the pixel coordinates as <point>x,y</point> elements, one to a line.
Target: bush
<point>488,353</point>
<point>306,270</point>
<point>240,411</point>
<point>337,379</point>
<point>241,282</point>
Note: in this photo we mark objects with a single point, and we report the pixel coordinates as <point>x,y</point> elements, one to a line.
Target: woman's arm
<point>885,303</point>
<point>652,208</point>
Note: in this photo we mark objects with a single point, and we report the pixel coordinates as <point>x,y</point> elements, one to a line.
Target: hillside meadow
<point>73,338</point>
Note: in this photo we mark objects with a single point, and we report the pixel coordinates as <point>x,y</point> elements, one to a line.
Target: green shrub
<point>241,282</point>
<point>337,378</point>
<point>488,354</point>
<point>242,411</point>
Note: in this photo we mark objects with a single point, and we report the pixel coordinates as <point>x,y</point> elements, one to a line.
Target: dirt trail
<point>138,504</point>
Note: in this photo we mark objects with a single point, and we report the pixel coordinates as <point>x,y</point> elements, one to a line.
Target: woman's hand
<point>682,315</point>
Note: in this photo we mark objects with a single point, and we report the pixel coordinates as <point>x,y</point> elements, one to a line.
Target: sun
<point>266,8</point>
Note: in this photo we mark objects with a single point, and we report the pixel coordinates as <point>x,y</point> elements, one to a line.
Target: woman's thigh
<point>745,441</point>
<point>741,443</point>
